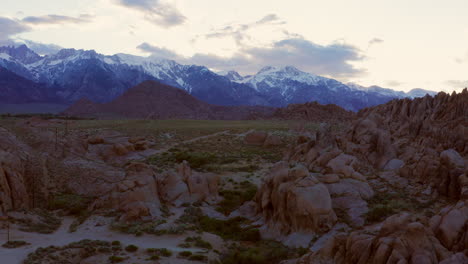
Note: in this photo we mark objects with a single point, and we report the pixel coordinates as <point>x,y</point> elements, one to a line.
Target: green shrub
<point>198,257</point>
<point>115,243</point>
<point>382,205</point>
<point>261,253</point>
<point>46,224</point>
<point>72,203</point>
<point>131,248</point>
<point>185,254</point>
<point>116,259</point>
<point>164,252</point>
<point>229,229</point>
<point>200,243</point>
<point>15,244</point>
<point>234,199</point>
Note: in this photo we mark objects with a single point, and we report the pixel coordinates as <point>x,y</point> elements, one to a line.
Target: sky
<point>398,44</point>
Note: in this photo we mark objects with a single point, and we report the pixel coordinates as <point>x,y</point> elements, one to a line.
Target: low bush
<point>116,259</point>
<point>185,254</point>
<point>233,199</point>
<point>131,248</point>
<point>15,244</point>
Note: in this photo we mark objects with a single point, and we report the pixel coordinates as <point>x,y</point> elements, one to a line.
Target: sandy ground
<point>88,230</point>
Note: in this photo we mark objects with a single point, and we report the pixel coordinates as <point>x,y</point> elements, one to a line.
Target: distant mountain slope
<point>73,74</point>
<point>287,85</point>
<point>15,89</point>
<point>154,100</point>
<point>314,112</point>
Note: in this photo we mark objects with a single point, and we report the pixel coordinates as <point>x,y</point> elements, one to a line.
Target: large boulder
<point>14,156</point>
<point>292,200</point>
<point>451,226</point>
<point>255,138</point>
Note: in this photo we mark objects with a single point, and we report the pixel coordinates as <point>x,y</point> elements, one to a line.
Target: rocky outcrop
<point>292,200</point>
<point>143,192</point>
<point>400,239</point>
<point>13,173</point>
<point>261,138</point>
<point>451,226</point>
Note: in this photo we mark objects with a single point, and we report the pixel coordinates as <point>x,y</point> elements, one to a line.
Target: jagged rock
<point>13,158</point>
<point>343,164</point>
<point>451,226</point>
<point>293,200</point>
<point>201,186</point>
<point>350,196</point>
<point>142,192</point>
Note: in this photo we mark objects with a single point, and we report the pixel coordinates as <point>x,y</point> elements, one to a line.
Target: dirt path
<point>89,230</point>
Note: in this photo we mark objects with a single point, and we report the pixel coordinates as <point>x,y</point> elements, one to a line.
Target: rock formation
<point>293,200</point>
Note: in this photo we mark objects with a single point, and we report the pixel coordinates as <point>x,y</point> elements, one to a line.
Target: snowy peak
<point>418,92</point>
<point>232,76</point>
<point>20,53</point>
<point>271,76</point>
<point>414,93</point>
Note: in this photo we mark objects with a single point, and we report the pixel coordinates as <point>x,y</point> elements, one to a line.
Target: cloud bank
<point>57,19</point>
<point>155,11</point>
<point>10,27</point>
<point>331,60</point>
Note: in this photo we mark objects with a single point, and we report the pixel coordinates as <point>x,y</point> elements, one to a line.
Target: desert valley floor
<point>386,185</point>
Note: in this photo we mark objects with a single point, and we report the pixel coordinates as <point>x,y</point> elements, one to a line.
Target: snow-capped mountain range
<point>70,75</point>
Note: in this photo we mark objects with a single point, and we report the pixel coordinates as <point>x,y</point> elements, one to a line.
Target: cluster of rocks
<point>143,192</point>
<point>101,165</point>
<point>261,138</point>
<point>416,146</point>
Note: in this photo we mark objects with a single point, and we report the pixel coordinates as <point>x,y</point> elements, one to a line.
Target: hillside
<point>154,100</point>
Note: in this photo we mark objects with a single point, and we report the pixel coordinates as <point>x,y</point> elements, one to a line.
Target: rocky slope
<point>414,147</point>
<point>16,89</point>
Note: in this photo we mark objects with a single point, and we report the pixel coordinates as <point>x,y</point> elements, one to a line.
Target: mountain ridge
<point>71,74</point>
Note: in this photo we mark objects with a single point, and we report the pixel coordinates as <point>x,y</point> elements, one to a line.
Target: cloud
<point>269,19</point>
<point>57,19</point>
<point>159,52</point>
<point>331,60</point>
<point>155,11</point>
<point>457,85</point>
<point>393,83</point>
<point>462,59</point>
<point>41,48</point>
<point>239,32</point>
<point>375,41</point>
<point>10,27</point>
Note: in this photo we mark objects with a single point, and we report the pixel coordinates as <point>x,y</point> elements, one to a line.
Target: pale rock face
<point>394,164</point>
<point>292,200</point>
